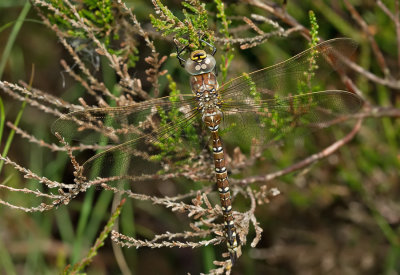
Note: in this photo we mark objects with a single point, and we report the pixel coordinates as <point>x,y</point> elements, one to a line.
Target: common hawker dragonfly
<point>263,105</point>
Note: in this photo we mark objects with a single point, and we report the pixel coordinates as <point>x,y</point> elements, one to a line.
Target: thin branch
<point>53,147</point>
<point>250,42</point>
<point>282,14</point>
<point>95,84</point>
<point>15,91</point>
<point>37,193</point>
<point>306,162</point>
<point>43,207</point>
<point>391,83</point>
<point>83,82</point>
<point>30,175</point>
<point>375,48</point>
<point>126,241</point>
<point>165,201</point>
<point>395,17</point>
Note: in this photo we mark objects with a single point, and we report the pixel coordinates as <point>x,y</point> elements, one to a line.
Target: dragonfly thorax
<point>205,87</point>
<point>208,100</point>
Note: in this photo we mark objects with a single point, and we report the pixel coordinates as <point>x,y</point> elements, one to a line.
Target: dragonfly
<point>262,106</point>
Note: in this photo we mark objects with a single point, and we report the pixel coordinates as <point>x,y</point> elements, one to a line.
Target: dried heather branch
<point>264,19</point>
<point>43,207</point>
<point>250,42</point>
<point>193,174</point>
<point>285,17</point>
<point>56,199</point>
<point>52,8</point>
<point>154,73</point>
<point>53,147</point>
<point>253,26</point>
<point>253,219</point>
<point>80,184</point>
<point>83,82</point>
<point>45,97</point>
<point>165,201</point>
<point>126,241</point>
<point>395,17</point>
<point>115,61</point>
<point>15,91</point>
<point>280,13</point>
<point>29,191</point>
<point>95,84</point>
<point>305,162</point>
<point>76,165</point>
<point>28,174</point>
<point>264,194</point>
<point>391,83</point>
<point>129,85</point>
<point>367,31</point>
<point>183,235</point>
<point>225,268</point>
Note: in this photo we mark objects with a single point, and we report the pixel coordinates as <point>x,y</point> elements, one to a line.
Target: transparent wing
<point>283,100</point>
<point>142,132</point>
<point>267,121</point>
<point>303,72</point>
<point>119,123</point>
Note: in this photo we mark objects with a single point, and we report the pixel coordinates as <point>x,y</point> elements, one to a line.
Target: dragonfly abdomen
<point>224,194</point>
<point>205,87</point>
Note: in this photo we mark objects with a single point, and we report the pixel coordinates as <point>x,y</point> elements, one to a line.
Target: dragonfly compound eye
<point>200,63</point>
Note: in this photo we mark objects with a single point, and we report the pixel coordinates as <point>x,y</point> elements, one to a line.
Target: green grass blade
<point>85,212</point>
<point>2,118</point>
<point>5,260</point>
<point>3,61</point>
<point>98,243</point>
<point>13,36</point>
<point>12,133</point>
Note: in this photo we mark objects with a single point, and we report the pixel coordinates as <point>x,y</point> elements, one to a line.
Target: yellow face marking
<point>198,55</point>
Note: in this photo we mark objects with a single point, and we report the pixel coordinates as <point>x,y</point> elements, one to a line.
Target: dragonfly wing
<point>302,72</point>
<point>281,100</point>
<point>267,121</point>
<point>141,132</point>
<point>139,157</point>
<point>114,124</point>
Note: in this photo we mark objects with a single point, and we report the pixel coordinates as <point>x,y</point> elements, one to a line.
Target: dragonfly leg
<point>211,46</point>
<point>182,61</point>
<point>214,50</point>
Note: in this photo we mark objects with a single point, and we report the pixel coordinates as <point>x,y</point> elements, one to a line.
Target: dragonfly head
<point>199,62</point>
